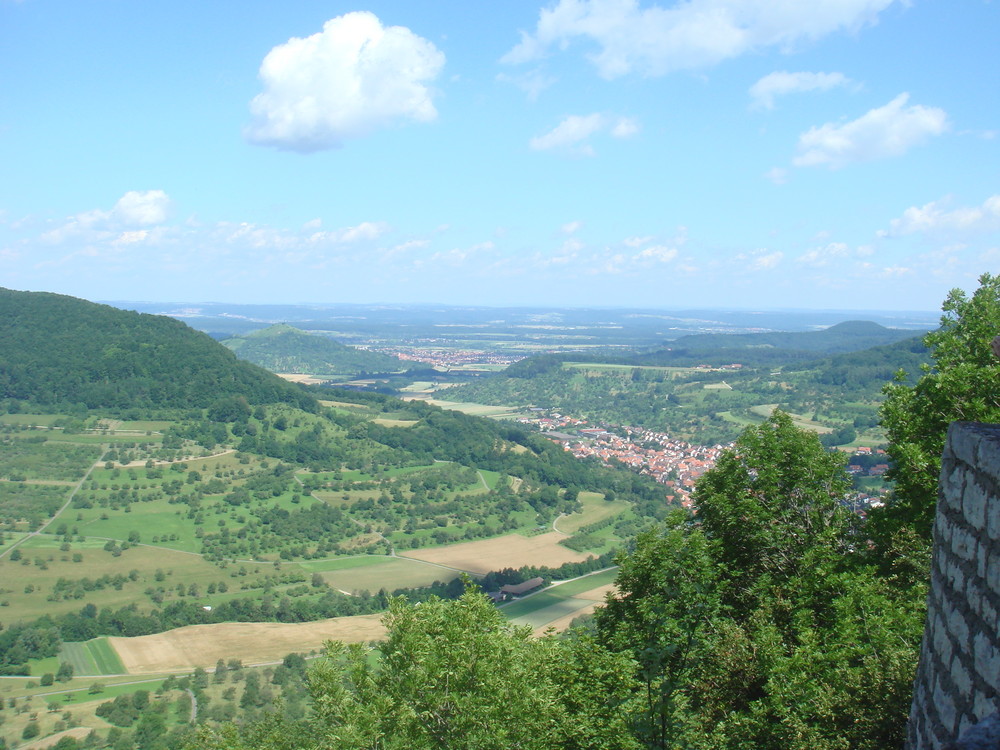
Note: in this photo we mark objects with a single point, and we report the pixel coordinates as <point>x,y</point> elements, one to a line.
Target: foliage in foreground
<point>455,675</point>
<point>758,627</point>
<point>962,384</point>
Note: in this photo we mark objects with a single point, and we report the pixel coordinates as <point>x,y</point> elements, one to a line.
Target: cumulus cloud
<point>571,134</point>
<point>351,78</point>
<point>781,83</point>
<point>139,208</point>
<point>886,131</point>
<point>655,40</point>
<point>134,210</point>
<point>936,217</point>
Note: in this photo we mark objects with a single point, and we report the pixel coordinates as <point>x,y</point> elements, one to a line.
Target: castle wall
<point>958,678</point>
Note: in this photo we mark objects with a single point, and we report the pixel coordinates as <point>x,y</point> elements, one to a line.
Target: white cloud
<point>834,254</point>
<point>777,175</point>
<point>658,254</point>
<point>934,217</point>
<point>626,127</point>
<point>351,78</point>
<point>571,134</point>
<point>655,40</point>
<point>886,131</point>
<point>571,227</point>
<point>136,208</point>
<point>760,260</point>
<point>782,83</point>
<point>532,83</point>
<point>142,208</point>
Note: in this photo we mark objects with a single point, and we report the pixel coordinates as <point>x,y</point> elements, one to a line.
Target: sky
<point>766,154</point>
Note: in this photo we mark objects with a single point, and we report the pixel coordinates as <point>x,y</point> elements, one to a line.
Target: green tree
<point>767,502</point>
<point>454,674</point>
<point>663,612</point>
<point>963,383</point>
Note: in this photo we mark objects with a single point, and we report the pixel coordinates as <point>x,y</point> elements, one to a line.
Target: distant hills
<point>775,348</point>
<point>63,351</point>
<point>284,348</point>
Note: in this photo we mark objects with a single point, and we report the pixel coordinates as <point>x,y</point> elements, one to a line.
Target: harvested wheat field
<point>508,551</point>
<point>183,649</point>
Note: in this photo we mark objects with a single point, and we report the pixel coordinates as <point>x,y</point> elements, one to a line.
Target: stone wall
<point>958,680</point>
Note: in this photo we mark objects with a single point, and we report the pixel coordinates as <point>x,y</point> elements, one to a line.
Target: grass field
<point>374,573</point>
<point>93,657</point>
<point>595,508</point>
<point>802,422</point>
<point>477,410</point>
<point>43,420</point>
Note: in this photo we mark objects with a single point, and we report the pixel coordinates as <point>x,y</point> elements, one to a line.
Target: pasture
<point>183,649</point>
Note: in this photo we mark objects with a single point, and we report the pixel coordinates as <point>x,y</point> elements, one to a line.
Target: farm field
<point>93,657</point>
<point>183,649</point>
<point>507,551</point>
<point>558,605</point>
<point>476,410</point>
<point>373,573</point>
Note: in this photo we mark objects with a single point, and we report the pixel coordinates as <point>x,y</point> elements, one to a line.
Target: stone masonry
<point>958,679</point>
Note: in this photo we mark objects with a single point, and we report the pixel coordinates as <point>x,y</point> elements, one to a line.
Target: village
<point>675,463</point>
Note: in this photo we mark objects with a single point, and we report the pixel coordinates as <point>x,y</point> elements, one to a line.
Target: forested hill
<point>63,351</point>
<point>284,348</point>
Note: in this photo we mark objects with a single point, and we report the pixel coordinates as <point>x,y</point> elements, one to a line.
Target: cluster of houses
<point>445,358</point>
<point>674,463</point>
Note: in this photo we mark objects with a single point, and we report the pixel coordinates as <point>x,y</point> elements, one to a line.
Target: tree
<point>662,612</point>
<point>767,502</point>
<point>454,674</point>
<point>963,383</point>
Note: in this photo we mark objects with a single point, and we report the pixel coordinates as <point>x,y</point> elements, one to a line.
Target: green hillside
<point>284,348</point>
<point>67,353</point>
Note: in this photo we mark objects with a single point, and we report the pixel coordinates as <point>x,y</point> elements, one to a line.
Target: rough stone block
<point>945,710</point>
<point>963,442</point>
<point>954,577</point>
<point>988,450</point>
<point>974,502</point>
<point>959,629</point>
<point>993,573</point>
<point>961,678</point>
<point>993,518</point>
<point>987,659</point>
<point>963,544</point>
<point>942,644</point>
<point>951,486</point>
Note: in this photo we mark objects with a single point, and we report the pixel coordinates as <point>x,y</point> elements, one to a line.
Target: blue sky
<point>839,154</point>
